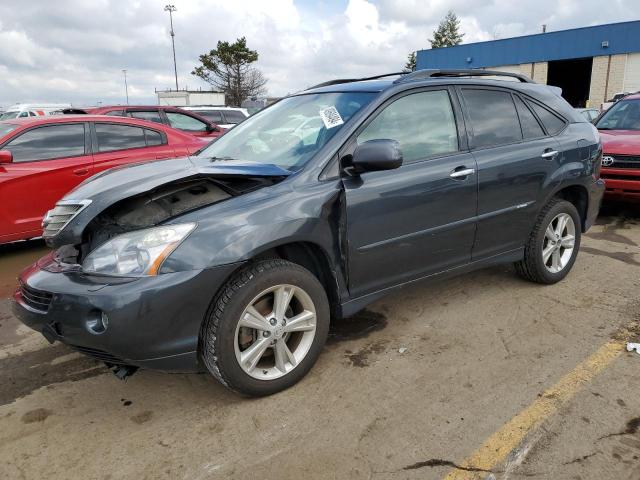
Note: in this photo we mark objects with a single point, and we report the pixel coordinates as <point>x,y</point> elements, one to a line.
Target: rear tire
<point>265,328</point>
<point>552,246</point>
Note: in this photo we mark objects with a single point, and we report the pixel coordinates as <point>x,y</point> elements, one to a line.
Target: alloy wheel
<point>275,332</point>
<point>559,242</point>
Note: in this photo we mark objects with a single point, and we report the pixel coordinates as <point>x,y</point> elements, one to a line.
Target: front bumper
<point>153,322</point>
<point>622,183</point>
<point>596,192</point>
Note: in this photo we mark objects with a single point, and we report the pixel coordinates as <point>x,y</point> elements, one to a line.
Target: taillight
<point>598,165</point>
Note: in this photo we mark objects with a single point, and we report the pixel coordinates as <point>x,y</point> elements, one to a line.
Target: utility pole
<point>171,9</point>
<point>126,87</point>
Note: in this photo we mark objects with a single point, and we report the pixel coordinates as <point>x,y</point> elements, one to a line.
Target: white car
<point>225,117</point>
<point>23,110</point>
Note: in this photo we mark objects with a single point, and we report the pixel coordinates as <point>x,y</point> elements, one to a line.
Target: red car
<point>619,129</point>
<point>43,158</point>
<point>171,116</point>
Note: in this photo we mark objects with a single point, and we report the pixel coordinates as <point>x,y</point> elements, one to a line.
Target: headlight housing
<point>138,253</point>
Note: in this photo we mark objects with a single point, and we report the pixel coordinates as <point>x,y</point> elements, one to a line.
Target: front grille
<point>36,299</point>
<point>99,355</point>
<point>624,161</point>
<point>58,218</point>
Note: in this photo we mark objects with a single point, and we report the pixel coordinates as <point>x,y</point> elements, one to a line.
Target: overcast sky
<point>75,50</point>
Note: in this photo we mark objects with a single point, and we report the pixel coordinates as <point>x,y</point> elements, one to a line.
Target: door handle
<point>465,172</point>
<point>81,171</point>
<point>549,154</point>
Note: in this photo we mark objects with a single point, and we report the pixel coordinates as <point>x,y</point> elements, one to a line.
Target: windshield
<point>6,128</point>
<point>291,131</point>
<point>9,115</point>
<point>624,115</point>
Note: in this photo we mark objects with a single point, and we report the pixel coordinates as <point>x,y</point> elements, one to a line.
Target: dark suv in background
<point>236,259</point>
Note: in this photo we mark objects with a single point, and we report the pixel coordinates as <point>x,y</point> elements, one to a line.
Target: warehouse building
<point>590,64</point>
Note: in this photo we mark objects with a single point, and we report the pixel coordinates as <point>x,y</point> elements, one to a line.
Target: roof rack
<point>471,72</point>
<point>350,80</point>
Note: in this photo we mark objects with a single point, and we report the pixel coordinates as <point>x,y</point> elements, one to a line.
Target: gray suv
<point>235,260</point>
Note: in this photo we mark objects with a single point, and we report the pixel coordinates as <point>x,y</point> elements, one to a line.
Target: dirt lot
<point>482,376</point>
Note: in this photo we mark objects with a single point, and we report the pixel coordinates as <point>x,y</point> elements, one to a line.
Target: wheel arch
<point>578,196</point>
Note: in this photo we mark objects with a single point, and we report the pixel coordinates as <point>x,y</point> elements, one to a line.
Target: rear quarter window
<point>552,123</point>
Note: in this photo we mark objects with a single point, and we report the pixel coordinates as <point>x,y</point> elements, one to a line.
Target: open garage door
<point>573,77</point>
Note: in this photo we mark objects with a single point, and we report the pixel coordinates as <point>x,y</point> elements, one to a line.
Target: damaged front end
<point>145,199</point>
<point>111,236</point>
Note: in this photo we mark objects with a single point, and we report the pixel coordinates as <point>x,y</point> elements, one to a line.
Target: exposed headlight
<point>137,253</point>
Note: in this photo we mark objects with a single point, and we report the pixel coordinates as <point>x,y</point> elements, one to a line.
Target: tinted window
<point>214,115</point>
<point>530,126</point>
<point>55,141</point>
<point>551,122</point>
<point>115,113</point>
<point>423,124</point>
<point>233,116</point>
<point>493,117</point>
<point>149,116</point>
<point>118,137</point>
<point>153,137</point>
<point>185,122</point>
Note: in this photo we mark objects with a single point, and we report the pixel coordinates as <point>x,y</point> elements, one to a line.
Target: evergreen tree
<point>448,32</point>
<point>410,66</point>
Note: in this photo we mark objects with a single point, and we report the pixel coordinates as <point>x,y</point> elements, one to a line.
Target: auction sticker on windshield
<point>331,117</point>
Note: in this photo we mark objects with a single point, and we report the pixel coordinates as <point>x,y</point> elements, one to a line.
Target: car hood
<point>99,192</point>
<point>623,142</point>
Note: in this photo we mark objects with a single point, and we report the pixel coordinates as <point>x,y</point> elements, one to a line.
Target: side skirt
<point>354,305</point>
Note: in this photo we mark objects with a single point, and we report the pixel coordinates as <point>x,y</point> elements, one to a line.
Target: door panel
<point>416,220</point>
<point>511,182</point>
<point>410,222</point>
<point>32,183</point>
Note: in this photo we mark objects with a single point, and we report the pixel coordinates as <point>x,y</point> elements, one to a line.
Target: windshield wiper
<point>214,159</point>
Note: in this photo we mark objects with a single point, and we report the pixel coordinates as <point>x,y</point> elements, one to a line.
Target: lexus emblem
<point>607,161</point>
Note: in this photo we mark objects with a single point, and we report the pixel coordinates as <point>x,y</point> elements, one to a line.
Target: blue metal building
<point>590,64</point>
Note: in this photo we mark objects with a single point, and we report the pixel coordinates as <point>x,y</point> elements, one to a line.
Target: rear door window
<point>493,117</point>
<point>46,143</point>
<point>148,115</point>
<point>530,126</point>
<point>552,123</point>
<point>233,116</point>
<point>213,115</point>
<point>185,122</point>
<point>113,137</point>
<point>423,123</point>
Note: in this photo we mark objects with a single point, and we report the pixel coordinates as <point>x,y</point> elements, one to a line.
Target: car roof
<point>548,95</point>
<point>50,119</point>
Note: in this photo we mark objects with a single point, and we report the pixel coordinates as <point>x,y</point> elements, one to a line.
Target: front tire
<point>266,327</point>
<point>552,246</point>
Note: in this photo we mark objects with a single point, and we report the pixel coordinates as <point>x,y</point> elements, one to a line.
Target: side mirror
<point>376,155</point>
<point>6,156</point>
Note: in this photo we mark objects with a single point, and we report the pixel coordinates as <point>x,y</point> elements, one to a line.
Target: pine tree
<point>448,32</point>
<point>410,66</point>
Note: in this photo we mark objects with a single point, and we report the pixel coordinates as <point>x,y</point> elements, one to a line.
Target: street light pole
<point>126,87</point>
<point>171,9</point>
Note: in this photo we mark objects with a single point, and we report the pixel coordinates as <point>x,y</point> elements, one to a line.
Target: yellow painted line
<point>496,448</point>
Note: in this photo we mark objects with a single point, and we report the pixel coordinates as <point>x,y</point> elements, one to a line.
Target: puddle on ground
<point>25,373</point>
<point>359,325</point>
<point>14,257</point>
